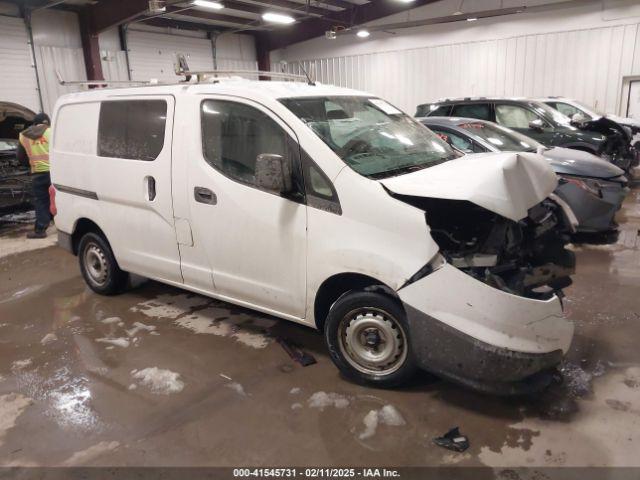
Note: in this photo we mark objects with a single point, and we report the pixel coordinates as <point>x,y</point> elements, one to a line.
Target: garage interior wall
<point>152,53</point>
<point>58,47</point>
<point>56,36</point>
<point>578,49</point>
<point>17,75</point>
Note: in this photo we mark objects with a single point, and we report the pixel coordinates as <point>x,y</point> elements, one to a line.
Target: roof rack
<point>204,75</point>
<point>102,83</point>
<point>182,69</point>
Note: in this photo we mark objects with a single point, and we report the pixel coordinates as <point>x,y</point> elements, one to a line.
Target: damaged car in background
<point>582,114</point>
<point>405,253</point>
<point>15,181</point>
<point>593,188</point>
<point>537,120</point>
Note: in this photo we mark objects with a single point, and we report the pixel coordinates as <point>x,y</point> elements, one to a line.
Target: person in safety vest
<point>34,150</point>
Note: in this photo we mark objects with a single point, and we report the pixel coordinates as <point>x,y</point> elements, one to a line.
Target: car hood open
<point>506,183</point>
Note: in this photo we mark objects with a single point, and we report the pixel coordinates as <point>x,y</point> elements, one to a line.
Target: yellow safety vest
<point>37,151</point>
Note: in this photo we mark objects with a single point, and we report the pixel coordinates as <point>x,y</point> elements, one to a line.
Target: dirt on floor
<point>158,376</point>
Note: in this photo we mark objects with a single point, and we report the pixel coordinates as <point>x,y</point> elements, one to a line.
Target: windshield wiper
<point>401,170</point>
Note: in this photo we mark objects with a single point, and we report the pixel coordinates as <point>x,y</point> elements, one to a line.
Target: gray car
<point>594,188</point>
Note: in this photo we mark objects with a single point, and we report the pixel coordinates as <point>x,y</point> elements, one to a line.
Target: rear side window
<point>475,110</point>
<point>132,129</point>
<point>433,110</point>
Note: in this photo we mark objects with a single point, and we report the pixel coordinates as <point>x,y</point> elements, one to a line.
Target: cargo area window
<point>481,111</point>
<point>132,129</point>
<point>234,134</point>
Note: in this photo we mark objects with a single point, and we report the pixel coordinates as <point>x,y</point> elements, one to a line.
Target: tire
<point>358,332</point>
<point>98,265</point>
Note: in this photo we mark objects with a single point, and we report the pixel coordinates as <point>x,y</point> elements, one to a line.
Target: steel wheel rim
<point>373,341</point>
<point>95,262</point>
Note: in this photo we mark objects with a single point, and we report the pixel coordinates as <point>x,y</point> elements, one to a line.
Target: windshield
<point>371,136</point>
<point>8,144</point>
<point>502,138</point>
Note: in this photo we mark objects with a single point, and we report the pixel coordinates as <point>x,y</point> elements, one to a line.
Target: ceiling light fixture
<point>208,4</point>
<point>278,18</point>
<point>363,33</point>
<point>406,1</point>
<point>472,19</point>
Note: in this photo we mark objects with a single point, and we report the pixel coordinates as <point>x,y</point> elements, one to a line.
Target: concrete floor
<point>74,389</point>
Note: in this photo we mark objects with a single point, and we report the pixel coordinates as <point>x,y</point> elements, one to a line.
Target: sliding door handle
<point>204,195</point>
<point>151,188</point>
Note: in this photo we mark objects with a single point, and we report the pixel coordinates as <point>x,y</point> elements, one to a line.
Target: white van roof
<point>239,87</point>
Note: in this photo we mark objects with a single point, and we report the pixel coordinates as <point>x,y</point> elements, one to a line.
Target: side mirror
<point>536,124</point>
<point>273,173</point>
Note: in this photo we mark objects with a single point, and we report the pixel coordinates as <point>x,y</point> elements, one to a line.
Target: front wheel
<point>368,339</point>
<point>98,265</point>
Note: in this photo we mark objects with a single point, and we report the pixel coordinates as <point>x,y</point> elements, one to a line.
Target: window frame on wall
<point>129,122</point>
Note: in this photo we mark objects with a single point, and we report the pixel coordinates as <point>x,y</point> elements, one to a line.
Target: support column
<point>90,48</point>
<point>263,53</point>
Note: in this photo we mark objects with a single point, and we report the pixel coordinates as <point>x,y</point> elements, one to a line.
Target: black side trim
<point>76,191</point>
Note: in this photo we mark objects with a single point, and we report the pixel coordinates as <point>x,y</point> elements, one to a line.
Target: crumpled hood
<point>35,131</point>
<point>569,161</point>
<point>506,183</point>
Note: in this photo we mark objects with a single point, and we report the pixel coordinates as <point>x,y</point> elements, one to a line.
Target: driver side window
<point>234,134</point>
<point>514,116</point>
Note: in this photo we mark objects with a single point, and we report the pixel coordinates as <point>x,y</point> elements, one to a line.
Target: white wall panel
<point>68,62</point>
<point>56,36</point>
<point>152,55</point>
<point>17,74</point>
<point>586,59</point>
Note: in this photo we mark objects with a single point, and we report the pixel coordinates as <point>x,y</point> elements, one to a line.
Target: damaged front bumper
<point>483,337</point>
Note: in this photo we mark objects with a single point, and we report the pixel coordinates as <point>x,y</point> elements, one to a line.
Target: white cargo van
<point>325,206</point>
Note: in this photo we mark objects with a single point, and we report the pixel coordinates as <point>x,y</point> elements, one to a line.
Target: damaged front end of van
<point>486,311</point>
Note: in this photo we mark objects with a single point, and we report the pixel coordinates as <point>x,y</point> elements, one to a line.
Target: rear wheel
<point>368,339</point>
<point>99,267</point>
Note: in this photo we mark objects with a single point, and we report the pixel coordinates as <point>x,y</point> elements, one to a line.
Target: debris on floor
<point>387,415</point>
<point>322,400</point>
<point>159,381</point>
<point>237,387</point>
<point>137,327</point>
<point>48,338</point>
<point>118,342</point>
<point>453,440</point>
<point>297,354</point>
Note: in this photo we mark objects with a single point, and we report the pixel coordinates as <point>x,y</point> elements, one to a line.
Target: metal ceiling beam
<point>199,14</point>
<point>111,13</point>
<point>355,15</point>
<point>286,5</point>
<point>180,25</point>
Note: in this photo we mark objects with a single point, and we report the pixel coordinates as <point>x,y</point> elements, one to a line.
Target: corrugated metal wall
<point>17,75</point>
<point>586,64</point>
<point>68,61</point>
<point>152,55</point>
